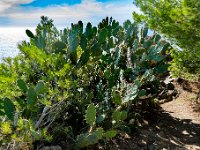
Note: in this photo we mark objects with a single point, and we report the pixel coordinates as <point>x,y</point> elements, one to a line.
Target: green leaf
<point>1,104</point>
<point>142,93</point>
<point>137,83</point>
<point>87,139</point>
<point>88,31</point>
<point>73,40</point>
<point>83,59</point>
<point>9,108</point>
<point>155,56</point>
<point>148,73</point>
<point>2,113</point>
<point>80,27</point>
<point>119,115</point>
<point>117,98</point>
<point>135,44</point>
<point>20,102</point>
<point>116,55</point>
<point>147,44</point>
<point>90,115</point>
<point>100,118</point>
<point>40,87</point>
<point>123,115</point>
<point>82,141</point>
<point>42,42</point>
<point>103,35</point>
<point>165,47</point>
<point>83,42</point>
<point>145,31</point>
<point>107,74</point>
<point>31,97</point>
<point>94,31</point>
<point>29,34</point>
<point>127,24</point>
<point>22,85</point>
<point>59,47</point>
<point>152,50</point>
<point>73,57</point>
<point>110,134</point>
<point>162,68</point>
<point>96,49</point>
<point>115,24</point>
<point>125,128</point>
<point>132,92</point>
<point>95,136</point>
<point>116,116</point>
<point>116,31</point>
<point>158,58</point>
<point>157,38</point>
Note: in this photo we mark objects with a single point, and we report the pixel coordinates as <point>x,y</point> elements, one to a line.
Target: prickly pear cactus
<point>90,115</point>
<point>93,77</point>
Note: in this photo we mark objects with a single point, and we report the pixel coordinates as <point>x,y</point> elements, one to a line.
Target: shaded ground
<point>176,126</point>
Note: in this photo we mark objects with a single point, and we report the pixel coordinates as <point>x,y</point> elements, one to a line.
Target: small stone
<point>185,132</point>
<point>170,86</point>
<point>126,136</point>
<point>146,122</point>
<point>51,148</point>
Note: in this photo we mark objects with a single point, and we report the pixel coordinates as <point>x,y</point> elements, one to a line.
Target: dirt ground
<point>175,126</point>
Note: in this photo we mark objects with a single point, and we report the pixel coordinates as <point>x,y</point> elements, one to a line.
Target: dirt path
<point>184,129</point>
<point>175,126</point>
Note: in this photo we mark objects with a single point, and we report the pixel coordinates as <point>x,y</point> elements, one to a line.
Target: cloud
<point>6,4</point>
<point>87,10</point>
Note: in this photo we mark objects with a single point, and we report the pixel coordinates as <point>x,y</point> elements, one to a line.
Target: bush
<point>178,21</point>
<point>80,83</point>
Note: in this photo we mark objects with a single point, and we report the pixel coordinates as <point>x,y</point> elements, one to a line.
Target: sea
<point>10,37</point>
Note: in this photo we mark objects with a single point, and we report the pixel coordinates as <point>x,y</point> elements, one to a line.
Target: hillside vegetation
<point>83,86</point>
<point>80,84</point>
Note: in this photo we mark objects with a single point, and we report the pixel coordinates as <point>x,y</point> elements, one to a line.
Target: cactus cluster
<point>86,79</point>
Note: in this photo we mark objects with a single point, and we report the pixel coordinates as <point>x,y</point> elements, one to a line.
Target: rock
<point>167,95</point>
<point>51,148</point>
<point>145,122</point>
<point>163,84</point>
<point>168,80</point>
<point>179,80</point>
<point>162,95</point>
<point>185,132</point>
<point>162,136</point>
<point>170,86</point>
<point>172,93</point>
<point>126,136</point>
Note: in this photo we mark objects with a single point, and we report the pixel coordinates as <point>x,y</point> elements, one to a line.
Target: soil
<point>174,126</point>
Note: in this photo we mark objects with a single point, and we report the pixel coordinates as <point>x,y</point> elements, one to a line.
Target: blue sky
<point>45,3</point>
<point>63,12</point>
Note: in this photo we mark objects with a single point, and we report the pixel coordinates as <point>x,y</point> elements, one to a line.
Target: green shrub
<point>178,21</point>
<point>84,81</point>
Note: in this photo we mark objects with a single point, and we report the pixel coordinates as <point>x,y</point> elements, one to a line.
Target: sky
<point>23,13</point>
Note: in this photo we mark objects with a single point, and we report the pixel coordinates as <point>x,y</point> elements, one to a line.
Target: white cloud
<point>87,10</point>
<point>6,4</point>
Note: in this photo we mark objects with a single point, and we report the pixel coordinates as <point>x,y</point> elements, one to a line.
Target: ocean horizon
<point>10,37</point>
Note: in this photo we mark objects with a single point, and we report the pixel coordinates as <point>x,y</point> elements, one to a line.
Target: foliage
<point>179,21</point>
<point>84,81</point>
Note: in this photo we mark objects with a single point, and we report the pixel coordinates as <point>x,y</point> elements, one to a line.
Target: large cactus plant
<point>87,79</point>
